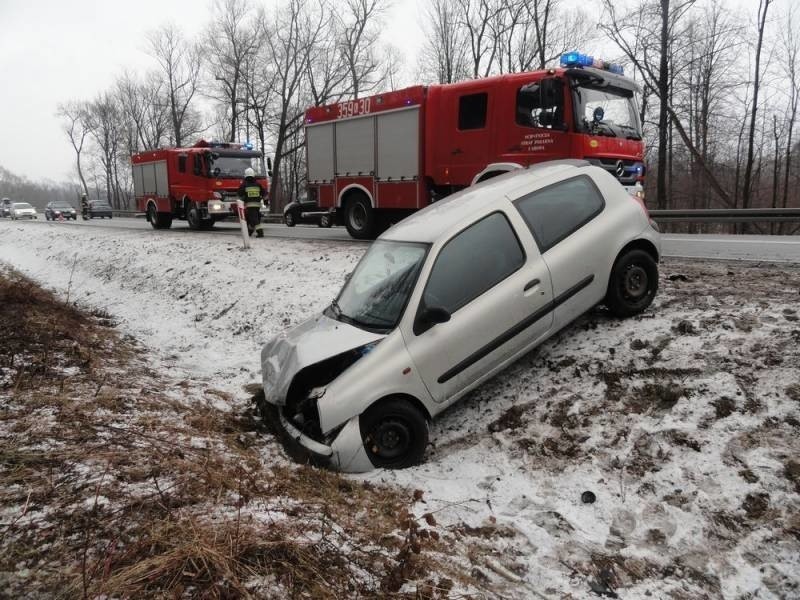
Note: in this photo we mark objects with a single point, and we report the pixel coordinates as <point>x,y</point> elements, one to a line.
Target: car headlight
<point>216,206</point>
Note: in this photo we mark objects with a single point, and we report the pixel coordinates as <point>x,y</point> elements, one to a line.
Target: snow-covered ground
<point>683,423</point>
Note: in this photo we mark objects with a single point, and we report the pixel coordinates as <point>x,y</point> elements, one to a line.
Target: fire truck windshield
<point>227,166</point>
<point>606,111</point>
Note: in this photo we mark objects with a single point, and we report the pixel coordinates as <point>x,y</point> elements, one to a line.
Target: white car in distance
<point>23,210</point>
<point>449,297</point>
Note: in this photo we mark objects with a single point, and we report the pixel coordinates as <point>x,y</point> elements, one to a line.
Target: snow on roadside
<point>204,305</point>
<point>684,423</point>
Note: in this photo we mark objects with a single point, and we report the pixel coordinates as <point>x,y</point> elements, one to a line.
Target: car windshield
<point>378,290</point>
<point>607,111</point>
<point>101,205</point>
<point>226,167</point>
<point>22,205</point>
<point>61,205</point>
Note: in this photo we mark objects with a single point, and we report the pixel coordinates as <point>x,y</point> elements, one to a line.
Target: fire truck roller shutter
<point>319,140</point>
<point>355,147</point>
<point>138,184</point>
<point>398,145</point>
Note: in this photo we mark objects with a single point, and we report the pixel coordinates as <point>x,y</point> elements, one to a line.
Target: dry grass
<point>117,482</point>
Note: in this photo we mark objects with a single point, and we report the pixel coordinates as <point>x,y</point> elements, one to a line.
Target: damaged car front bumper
<point>296,369</point>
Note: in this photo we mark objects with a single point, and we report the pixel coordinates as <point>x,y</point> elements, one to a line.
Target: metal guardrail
<point>728,215</point>
<point>140,215</point>
<point>709,215</point>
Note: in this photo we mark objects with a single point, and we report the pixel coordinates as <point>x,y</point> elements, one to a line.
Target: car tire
<point>395,434</point>
<point>633,284</point>
<point>290,219</point>
<point>359,218</point>
<point>326,221</point>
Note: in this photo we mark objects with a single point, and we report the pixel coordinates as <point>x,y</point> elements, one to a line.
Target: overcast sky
<point>52,51</point>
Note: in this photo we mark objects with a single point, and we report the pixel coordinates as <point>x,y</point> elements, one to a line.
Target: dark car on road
<point>97,208</point>
<point>58,210</point>
<point>306,211</point>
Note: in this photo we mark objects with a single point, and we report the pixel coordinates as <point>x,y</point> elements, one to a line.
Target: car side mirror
<point>430,316</point>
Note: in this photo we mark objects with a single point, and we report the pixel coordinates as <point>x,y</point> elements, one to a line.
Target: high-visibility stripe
<point>253,204</point>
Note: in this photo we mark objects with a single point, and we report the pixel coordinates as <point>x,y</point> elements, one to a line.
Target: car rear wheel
<point>395,434</point>
<point>359,218</point>
<point>633,283</point>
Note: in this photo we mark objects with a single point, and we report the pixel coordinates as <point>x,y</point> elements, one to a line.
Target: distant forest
<point>37,193</point>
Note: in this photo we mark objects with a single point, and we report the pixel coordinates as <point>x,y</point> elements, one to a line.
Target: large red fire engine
<point>376,159</point>
<point>197,184</point>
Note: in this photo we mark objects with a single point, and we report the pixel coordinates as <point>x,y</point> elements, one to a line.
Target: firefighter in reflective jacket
<point>251,194</point>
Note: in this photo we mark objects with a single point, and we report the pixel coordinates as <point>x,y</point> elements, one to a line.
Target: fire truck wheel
<point>325,221</point>
<point>193,217</point>
<point>158,220</point>
<point>359,219</point>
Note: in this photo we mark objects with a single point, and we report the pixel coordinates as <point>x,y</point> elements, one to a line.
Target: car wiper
<point>337,310</point>
<point>635,135</point>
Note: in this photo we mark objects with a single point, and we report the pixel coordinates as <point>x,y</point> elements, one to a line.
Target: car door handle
<point>532,283</point>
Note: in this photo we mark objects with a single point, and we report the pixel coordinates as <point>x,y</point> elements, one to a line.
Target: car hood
<point>310,342</point>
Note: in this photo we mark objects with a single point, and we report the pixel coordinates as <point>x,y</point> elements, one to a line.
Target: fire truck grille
<point>624,170</point>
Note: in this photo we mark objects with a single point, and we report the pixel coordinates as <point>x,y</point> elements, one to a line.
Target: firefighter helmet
<point>248,172</point>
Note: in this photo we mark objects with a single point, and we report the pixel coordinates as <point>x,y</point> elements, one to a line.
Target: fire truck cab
<point>198,184</point>
<point>374,160</point>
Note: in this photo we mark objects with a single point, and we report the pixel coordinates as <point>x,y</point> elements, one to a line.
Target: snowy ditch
<point>684,423</point>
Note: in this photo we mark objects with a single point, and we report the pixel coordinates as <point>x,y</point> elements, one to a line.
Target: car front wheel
<point>289,219</point>
<point>395,434</point>
<point>633,283</point>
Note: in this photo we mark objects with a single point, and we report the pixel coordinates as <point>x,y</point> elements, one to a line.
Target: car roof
<point>428,224</point>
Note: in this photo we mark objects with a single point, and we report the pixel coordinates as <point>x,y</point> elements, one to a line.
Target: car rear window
<point>472,262</point>
<point>557,211</point>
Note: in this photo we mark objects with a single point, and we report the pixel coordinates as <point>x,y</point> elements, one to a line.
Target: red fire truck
<point>374,160</point>
<point>198,183</point>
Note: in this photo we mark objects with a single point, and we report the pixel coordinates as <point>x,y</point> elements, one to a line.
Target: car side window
<point>557,211</point>
<point>472,111</point>
<point>472,262</point>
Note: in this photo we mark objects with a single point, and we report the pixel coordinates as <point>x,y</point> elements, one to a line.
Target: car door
<point>566,219</point>
<point>491,286</point>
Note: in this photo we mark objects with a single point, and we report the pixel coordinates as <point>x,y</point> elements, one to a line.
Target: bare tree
<point>74,116</point>
<point>290,40</point>
<point>763,7</point>
<point>358,34</point>
<point>233,38</point>
<point>444,55</point>
<point>790,43</point>
<point>180,62</point>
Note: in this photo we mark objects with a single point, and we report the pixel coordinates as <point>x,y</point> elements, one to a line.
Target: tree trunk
<point>663,94</point>
<point>763,5</point>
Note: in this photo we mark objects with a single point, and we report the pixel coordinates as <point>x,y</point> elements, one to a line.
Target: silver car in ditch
<point>449,297</point>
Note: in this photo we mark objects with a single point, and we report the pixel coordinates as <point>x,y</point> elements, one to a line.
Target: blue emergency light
<point>248,145</point>
<point>576,59</point>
